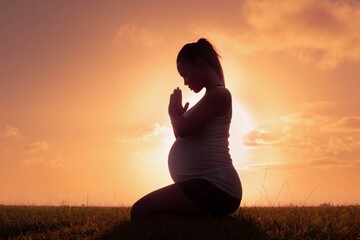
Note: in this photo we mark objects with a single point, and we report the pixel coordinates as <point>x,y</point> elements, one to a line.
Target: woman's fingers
<point>176,90</point>
<point>176,97</point>
<point>175,104</point>
<point>177,94</point>
<point>186,106</point>
<point>171,97</point>
<point>180,96</point>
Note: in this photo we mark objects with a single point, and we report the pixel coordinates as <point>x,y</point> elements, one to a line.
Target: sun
<point>241,124</point>
<point>191,97</point>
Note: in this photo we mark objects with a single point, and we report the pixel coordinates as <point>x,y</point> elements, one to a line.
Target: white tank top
<point>205,154</point>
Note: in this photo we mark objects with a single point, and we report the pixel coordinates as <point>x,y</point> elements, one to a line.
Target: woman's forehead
<point>182,68</point>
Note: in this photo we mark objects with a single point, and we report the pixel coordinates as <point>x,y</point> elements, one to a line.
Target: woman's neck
<point>214,82</point>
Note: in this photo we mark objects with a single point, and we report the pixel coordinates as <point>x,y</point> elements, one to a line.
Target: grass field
<point>325,222</point>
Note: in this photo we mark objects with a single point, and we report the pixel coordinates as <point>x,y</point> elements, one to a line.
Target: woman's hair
<point>201,49</point>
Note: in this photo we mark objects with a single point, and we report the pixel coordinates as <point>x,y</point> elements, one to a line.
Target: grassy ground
<point>29,222</point>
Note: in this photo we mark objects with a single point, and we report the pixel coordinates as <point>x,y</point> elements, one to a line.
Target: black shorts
<point>209,199</point>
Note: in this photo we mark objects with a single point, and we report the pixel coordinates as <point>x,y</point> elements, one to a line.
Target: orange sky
<point>84,89</point>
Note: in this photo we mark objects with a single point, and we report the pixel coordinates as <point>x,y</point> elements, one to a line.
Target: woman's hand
<point>176,109</point>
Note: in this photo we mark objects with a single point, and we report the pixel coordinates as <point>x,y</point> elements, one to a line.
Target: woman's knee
<point>136,212</point>
<point>139,210</point>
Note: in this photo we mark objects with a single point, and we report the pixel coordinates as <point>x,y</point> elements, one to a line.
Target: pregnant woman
<point>205,180</point>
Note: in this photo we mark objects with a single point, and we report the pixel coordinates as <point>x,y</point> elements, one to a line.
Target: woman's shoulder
<point>219,93</point>
<point>220,98</point>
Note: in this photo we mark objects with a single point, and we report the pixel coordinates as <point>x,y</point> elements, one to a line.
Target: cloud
<point>310,134</point>
<point>299,142</point>
<point>346,124</point>
<point>154,133</point>
<point>10,138</point>
<point>261,137</point>
<point>304,119</point>
<point>32,161</point>
<point>318,106</point>
<point>313,163</point>
<point>320,32</point>
<point>10,132</point>
<point>36,147</point>
<point>137,34</point>
<point>57,162</point>
<point>338,145</point>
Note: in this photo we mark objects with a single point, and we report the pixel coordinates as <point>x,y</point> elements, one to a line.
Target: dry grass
<point>325,222</point>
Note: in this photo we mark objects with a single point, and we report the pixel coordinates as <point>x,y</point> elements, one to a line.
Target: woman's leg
<point>168,200</point>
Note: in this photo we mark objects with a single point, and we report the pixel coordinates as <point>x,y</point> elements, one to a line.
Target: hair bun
<point>202,41</point>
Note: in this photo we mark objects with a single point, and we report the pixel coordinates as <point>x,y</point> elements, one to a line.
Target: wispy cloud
<point>318,106</point>
<point>137,34</point>
<point>54,162</point>
<point>36,147</point>
<point>305,119</point>
<point>320,32</point>
<point>10,132</point>
<point>154,133</point>
<point>313,163</point>
<point>338,145</point>
<point>312,135</point>
<point>261,137</point>
<point>32,161</point>
<point>57,162</point>
<point>284,139</point>
<point>346,124</point>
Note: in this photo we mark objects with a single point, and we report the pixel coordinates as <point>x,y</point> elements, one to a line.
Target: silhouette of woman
<point>205,180</point>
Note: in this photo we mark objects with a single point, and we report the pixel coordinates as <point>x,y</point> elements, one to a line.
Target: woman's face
<point>192,75</point>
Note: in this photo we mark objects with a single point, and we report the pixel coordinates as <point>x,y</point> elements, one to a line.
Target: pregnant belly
<point>181,156</point>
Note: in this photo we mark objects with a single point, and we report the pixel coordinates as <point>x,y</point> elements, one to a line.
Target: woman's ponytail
<point>203,49</point>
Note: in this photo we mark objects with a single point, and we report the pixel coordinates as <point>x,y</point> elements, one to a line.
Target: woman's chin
<point>196,90</point>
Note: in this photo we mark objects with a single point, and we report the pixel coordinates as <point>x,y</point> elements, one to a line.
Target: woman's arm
<point>214,102</point>
<point>175,107</point>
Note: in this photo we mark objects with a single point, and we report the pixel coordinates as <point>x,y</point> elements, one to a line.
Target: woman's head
<point>192,55</point>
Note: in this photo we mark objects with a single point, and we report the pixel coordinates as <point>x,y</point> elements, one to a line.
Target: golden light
<point>241,124</point>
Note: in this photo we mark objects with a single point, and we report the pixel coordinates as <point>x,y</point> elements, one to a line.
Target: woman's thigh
<point>209,199</point>
<point>168,200</point>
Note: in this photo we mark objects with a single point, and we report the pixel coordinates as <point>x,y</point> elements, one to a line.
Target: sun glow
<point>241,124</point>
<point>191,98</point>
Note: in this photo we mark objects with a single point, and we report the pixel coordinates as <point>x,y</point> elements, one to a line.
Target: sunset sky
<point>85,85</point>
